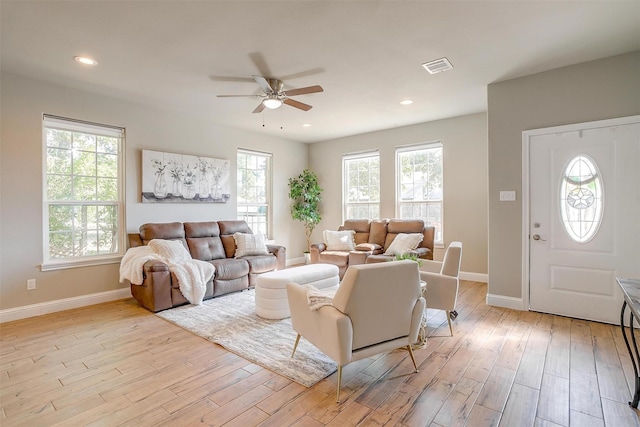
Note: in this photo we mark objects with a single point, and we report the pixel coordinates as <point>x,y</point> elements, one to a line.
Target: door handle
<point>537,237</point>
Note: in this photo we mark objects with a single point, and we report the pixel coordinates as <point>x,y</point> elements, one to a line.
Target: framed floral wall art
<point>181,178</point>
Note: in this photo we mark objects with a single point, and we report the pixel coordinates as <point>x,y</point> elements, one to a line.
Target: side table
<point>631,290</point>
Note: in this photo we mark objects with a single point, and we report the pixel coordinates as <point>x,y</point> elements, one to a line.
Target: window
<point>419,185</point>
<point>83,193</point>
<point>361,188</point>
<point>254,190</point>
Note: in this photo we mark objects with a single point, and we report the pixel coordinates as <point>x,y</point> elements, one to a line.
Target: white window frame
<point>346,158</point>
<point>61,123</point>
<point>269,193</point>
<point>439,235</point>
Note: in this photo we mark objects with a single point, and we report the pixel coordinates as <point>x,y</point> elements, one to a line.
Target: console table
<point>631,290</point>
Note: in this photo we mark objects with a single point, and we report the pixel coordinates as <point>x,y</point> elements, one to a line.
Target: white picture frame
<point>182,178</point>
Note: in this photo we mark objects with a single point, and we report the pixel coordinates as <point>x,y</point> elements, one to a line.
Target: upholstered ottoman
<point>271,288</point>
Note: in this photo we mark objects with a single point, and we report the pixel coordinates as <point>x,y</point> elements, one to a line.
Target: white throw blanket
<point>192,274</point>
<point>318,298</point>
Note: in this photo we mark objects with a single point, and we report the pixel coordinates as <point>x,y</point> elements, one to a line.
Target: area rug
<point>231,321</point>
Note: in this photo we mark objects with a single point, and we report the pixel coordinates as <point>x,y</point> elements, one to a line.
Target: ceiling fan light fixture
<point>272,103</point>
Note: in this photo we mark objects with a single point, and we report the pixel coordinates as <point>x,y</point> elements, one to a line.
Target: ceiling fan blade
<point>259,108</point>
<point>297,104</point>
<point>237,96</point>
<point>260,62</point>
<point>264,84</point>
<point>304,90</point>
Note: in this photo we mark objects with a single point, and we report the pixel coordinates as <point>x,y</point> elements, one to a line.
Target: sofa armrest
<point>424,253</point>
<point>154,266</point>
<point>315,250</point>
<point>358,257</point>
<point>330,330</point>
<point>281,255</point>
<point>155,291</point>
<point>319,247</point>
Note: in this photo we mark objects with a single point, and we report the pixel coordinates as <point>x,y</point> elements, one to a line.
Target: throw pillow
<point>250,244</point>
<point>172,250</point>
<point>339,240</point>
<point>368,247</point>
<point>404,242</point>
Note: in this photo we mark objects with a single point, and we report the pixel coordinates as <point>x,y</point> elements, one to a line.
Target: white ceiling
<point>366,55</point>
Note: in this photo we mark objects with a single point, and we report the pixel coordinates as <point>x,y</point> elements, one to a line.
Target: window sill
<point>85,262</point>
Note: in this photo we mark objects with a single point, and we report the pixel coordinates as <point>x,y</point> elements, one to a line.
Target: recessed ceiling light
<point>306,125</point>
<point>406,102</point>
<point>85,60</point>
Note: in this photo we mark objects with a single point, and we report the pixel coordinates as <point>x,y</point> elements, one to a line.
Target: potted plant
<point>304,192</point>
<point>409,256</point>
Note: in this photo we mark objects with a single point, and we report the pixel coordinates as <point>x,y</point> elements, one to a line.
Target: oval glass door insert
<point>581,198</point>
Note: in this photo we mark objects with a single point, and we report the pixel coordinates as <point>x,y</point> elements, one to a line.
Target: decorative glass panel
<point>581,198</point>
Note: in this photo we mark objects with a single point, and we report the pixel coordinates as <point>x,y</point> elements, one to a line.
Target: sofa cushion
<point>166,231</point>
<point>203,239</point>
<point>339,240</point>
<point>368,247</point>
<point>403,243</point>
<point>360,226</point>
<point>230,227</point>
<point>230,268</point>
<point>339,258</point>
<point>397,226</point>
<point>378,232</point>
<point>227,229</point>
<point>250,244</point>
<point>261,263</point>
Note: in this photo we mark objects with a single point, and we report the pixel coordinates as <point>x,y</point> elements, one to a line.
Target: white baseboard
<point>474,277</point>
<point>294,261</point>
<point>39,309</point>
<point>506,302</point>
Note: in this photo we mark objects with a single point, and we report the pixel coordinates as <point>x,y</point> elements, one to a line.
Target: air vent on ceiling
<point>438,66</point>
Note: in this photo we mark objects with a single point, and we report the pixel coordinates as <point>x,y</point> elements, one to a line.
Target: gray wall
<point>595,90</point>
<point>23,101</point>
<point>591,91</point>
<point>464,141</point>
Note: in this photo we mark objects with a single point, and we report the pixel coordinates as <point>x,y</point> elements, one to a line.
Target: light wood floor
<point>117,364</point>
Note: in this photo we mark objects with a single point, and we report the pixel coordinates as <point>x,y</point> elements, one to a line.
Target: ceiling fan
<point>274,95</point>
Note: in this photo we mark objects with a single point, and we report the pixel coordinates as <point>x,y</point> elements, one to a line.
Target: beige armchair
<point>377,308</point>
<point>442,281</point>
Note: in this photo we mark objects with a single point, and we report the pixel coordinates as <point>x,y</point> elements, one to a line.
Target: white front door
<point>584,217</point>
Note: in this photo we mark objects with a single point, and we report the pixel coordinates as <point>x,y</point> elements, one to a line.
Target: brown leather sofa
<point>207,241</point>
<point>372,239</point>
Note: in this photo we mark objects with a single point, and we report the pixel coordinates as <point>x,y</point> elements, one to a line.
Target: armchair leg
<point>295,346</point>
<point>449,320</point>
<point>339,381</point>
<point>413,359</point>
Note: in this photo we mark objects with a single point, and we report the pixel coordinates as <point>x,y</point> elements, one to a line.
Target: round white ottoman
<point>271,288</point>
